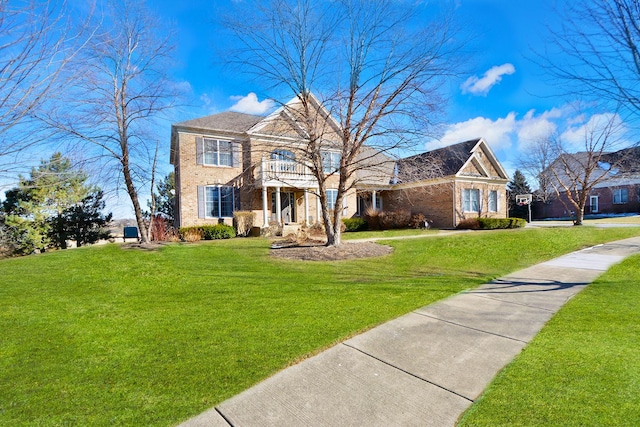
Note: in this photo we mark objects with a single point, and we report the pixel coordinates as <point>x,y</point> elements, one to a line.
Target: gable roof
<point>228,121</point>
<point>445,161</point>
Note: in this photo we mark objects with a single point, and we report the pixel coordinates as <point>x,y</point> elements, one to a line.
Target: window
<point>283,161</point>
<point>216,152</point>
<point>332,195</point>
<point>493,201</point>
<point>620,196</point>
<point>471,200</point>
<point>218,202</point>
<point>330,161</point>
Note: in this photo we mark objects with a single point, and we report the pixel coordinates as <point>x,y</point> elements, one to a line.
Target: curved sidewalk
<point>424,368</point>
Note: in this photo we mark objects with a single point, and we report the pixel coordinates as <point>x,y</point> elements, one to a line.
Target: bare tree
<point>598,46</point>
<point>37,42</point>
<point>534,163</point>
<point>574,175</point>
<point>122,89</point>
<point>377,73</point>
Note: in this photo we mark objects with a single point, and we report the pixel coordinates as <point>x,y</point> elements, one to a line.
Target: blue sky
<point>504,97</point>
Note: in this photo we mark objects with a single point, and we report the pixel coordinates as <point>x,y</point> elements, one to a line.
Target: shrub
<point>207,232</point>
<point>243,221</point>
<point>354,224</point>
<point>373,216</point>
<point>418,221</point>
<point>490,223</point>
<point>395,219</point>
<point>191,234</point>
<point>501,223</point>
<point>469,224</point>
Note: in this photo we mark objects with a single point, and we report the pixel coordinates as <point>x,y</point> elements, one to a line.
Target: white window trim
<point>464,190</point>
<point>207,214</point>
<point>334,161</point>
<point>497,209</point>
<point>619,191</point>
<point>329,199</point>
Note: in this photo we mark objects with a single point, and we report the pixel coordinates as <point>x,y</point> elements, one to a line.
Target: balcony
<point>284,173</point>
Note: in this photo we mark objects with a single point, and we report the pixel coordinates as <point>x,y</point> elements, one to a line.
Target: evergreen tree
<point>518,185</point>
<point>166,197</point>
<point>34,213</point>
<point>84,222</point>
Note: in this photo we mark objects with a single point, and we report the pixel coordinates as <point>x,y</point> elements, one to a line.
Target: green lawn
<point>112,336</point>
<point>583,369</point>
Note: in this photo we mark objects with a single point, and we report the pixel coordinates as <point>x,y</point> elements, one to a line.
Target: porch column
<point>278,207</point>
<point>265,213</point>
<point>306,206</point>
<point>374,199</point>
<point>318,208</point>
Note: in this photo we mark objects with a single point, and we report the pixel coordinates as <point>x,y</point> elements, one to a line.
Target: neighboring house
<point>618,191</point>
<point>234,161</point>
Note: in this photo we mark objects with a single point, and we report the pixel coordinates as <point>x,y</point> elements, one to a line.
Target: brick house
<point>235,161</point>
<point>617,193</point>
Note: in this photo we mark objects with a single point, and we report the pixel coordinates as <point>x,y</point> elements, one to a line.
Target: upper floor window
<point>620,195</point>
<point>215,152</point>
<point>330,161</point>
<point>471,200</point>
<point>284,155</point>
<point>283,161</point>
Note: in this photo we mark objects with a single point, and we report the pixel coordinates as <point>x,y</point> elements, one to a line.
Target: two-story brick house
<point>234,161</point>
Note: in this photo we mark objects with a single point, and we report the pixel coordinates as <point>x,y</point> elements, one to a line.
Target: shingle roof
<point>228,121</point>
<point>437,163</point>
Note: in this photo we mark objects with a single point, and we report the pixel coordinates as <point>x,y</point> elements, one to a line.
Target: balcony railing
<point>284,173</point>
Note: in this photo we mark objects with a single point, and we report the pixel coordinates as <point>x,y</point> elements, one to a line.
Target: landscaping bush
<point>207,232</point>
<point>354,224</point>
<point>418,221</point>
<point>469,224</point>
<point>373,217</point>
<point>395,219</point>
<point>490,223</point>
<point>243,221</point>
<point>500,223</point>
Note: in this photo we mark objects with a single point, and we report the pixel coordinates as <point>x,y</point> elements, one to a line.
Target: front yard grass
<point>583,367</point>
<point>114,336</point>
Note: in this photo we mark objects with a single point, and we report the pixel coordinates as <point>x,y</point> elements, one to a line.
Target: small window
<point>330,161</point>
<point>493,201</point>
<point>217,153</point>
<point>471,200</point>
<point>332,195</point>
<point>620,196</point>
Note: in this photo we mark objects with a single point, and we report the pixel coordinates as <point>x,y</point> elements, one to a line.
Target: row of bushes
<point>490,223</point>
<point>385,220</point>
<point>207,232</point>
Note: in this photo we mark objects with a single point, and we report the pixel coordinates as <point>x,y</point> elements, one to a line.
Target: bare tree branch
<point>373,67</point>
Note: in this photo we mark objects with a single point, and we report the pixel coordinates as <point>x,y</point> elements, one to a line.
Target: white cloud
<point>493,76</point>
<point>250,105</point>
<point>498,133</point>
<point>580,133</point>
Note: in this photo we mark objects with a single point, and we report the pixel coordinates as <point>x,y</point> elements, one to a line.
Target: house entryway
<point>287,206</point>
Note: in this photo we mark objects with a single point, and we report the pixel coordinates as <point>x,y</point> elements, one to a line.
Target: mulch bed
<point>317,251</point>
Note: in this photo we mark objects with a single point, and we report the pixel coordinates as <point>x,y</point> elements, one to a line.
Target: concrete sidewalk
<point>427,367</point>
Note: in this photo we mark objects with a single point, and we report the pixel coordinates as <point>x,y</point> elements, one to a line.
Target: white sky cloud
<point>250,105</point>
<point>498,133</point>
<point>482,85</point>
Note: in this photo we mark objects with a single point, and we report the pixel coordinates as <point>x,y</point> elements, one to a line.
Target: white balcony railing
<point>284,172</point>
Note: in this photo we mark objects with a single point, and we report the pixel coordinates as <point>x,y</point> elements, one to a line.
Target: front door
<point>594,204</point>
<point>287,206</point>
